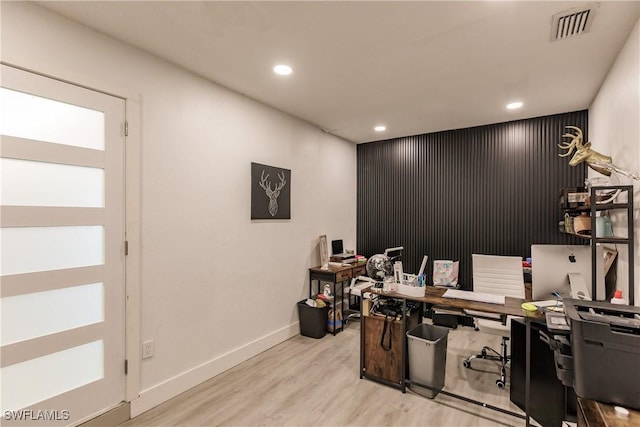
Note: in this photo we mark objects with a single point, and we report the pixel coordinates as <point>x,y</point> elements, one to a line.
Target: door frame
<point>133,308</point>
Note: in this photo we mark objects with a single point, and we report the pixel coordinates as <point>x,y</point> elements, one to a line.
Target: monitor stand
<point>579,289</point>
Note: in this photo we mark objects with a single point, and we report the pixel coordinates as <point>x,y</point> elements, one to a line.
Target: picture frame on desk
<point>324,252</point>
<point>610,255</point>
<point>610,272</point>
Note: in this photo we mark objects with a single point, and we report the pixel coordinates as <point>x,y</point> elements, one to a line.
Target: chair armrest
<point>488,316</point>
<point>358,285</point>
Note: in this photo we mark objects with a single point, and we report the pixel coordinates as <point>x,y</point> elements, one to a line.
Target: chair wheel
<point>500,383</point>
<point>466,363</point>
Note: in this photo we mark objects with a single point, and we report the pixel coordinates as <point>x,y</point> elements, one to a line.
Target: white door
<point>62,292</point>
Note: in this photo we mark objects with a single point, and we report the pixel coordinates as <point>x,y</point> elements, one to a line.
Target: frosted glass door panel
<point>42,313</point>
<point>32,117</point>
<point>31,249</point>
<point>39,379</point>
<point>29,183</point>
<point>62,181</point>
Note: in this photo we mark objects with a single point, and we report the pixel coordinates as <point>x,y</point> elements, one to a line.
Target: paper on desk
<point>547,303</point>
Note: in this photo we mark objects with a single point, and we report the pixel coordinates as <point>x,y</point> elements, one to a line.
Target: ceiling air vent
<point>571,23</point>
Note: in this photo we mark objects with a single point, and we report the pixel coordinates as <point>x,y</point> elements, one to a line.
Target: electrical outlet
<point>147,349</point>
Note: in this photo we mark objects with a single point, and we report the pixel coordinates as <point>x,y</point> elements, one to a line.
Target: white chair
<point>358,284</point>
<point>499,275</point>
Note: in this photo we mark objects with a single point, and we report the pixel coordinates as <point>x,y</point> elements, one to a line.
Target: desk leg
<point>342,305</point>
<point>362,320</point>
<point>403,372</point>
<point>335,308</point>
<point>527,381</point>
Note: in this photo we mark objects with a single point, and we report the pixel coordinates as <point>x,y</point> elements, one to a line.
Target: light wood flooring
<point>309,382</point>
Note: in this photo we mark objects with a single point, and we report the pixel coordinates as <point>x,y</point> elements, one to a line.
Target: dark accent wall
<point>489,189</point>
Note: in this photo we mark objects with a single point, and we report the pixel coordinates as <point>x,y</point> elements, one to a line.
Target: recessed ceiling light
<point>283,70</point>
<point>514,105</point>
<point>380,128</point>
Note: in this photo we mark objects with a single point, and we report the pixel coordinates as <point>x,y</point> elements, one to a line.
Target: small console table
<point>335,276</point>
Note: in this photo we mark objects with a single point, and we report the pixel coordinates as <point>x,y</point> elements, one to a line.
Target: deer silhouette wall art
<point>270,192</point>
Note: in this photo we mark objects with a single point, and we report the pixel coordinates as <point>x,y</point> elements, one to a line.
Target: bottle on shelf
<point>617,298</point>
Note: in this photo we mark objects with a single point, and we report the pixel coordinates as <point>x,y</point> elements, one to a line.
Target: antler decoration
<point>596,161</point>
<point>584,153</point>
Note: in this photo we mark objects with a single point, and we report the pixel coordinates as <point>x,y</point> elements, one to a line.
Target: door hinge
<point>126,366</point>
<point>126,247</point>
<point>126,128</point>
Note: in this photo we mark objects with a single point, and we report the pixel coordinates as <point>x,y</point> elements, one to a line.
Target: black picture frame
<point>270,192</point>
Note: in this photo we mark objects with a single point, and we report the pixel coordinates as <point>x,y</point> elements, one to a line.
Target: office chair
<point>394,254</point>
<point>355,289</point>
<point>499,275</point>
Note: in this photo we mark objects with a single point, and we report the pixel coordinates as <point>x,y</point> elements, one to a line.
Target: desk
<point>598,414</point>
<point>433,297</point>
<point>335,275</point>
<point>550,401</point>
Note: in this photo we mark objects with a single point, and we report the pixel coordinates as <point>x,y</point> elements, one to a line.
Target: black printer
<point>605,342</point>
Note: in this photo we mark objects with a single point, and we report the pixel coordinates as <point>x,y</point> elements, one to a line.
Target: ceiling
<point>416,67</point>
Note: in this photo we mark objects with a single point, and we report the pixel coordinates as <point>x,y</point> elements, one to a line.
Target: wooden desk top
<point>598,414</point>
<point>433,295</point>
<point>337,269</point>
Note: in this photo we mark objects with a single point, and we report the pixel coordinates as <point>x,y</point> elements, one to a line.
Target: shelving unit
<point>592,209</point>
<point>338,278</point>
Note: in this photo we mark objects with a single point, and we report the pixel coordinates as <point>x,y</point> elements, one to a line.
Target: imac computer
<point>565,269</point>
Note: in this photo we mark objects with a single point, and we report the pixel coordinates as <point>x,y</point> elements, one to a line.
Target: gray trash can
<point>427,358</point>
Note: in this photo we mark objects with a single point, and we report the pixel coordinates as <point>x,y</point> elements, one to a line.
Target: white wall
<point>614,129</point>
<point>216,288</point>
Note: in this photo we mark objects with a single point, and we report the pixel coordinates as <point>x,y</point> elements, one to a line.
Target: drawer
<point>341,276</point>
<point>322,276</point>
<point>359,271</point>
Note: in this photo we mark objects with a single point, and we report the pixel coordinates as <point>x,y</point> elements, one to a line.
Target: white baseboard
<point>112,417</point>
<point>172,387</point>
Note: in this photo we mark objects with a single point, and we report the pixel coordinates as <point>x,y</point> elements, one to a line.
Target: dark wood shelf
<point>616,240</point>
<point>605,207</point>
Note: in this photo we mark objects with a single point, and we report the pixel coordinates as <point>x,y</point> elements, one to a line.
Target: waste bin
<point>313,320</point>
<point>427,358</point>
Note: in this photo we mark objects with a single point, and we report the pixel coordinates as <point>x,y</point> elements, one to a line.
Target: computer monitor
<point>565,269</point>
<point>336,247</point>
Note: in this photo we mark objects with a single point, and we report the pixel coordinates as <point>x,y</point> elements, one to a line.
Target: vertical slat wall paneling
<point>489,189</point>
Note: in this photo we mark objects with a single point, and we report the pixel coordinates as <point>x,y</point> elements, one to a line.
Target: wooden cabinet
<point>380,362</point>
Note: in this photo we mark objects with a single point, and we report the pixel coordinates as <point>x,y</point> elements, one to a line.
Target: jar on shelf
<point>582,224</point>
